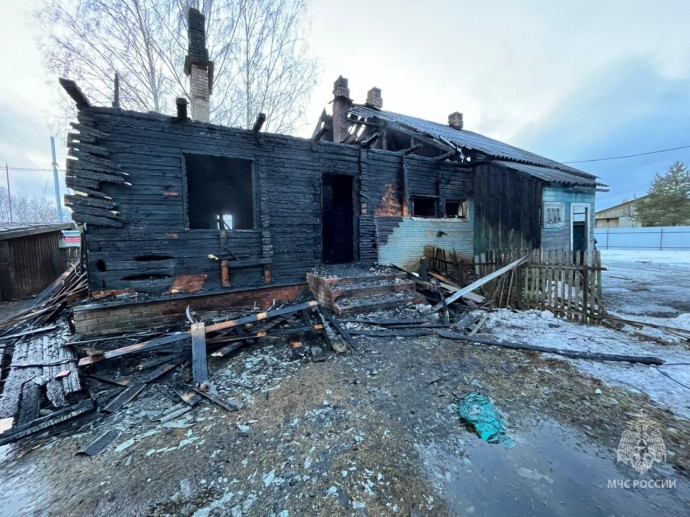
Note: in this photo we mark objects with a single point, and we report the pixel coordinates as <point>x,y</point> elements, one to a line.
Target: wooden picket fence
<point>564,282</point>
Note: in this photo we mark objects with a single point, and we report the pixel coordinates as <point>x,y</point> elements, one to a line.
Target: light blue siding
<point>559,237</point>
<point>406,244</point>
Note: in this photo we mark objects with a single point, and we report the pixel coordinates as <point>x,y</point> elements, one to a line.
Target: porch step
<point>347,306</point>
<point>349,289</point>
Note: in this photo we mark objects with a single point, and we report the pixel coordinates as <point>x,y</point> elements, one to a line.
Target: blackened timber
<point>91,193</point>
<point>84,147</point>
<point>88,201</point>
<point>98,221</point>
<point>95,163</point>
<point>75,92</point>
<point>46,422</point>
<point>173,338</point>
<point>85,129</point>
<point>90,210</point>
<point>99,444</point>
<point>573,354</point>
<point>83,137</point>
<point>199,366</point>
<point>74,182</point>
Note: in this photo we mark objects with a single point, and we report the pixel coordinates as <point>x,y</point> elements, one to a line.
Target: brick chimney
<point>455,120</point>
<point>341,103</point>
<point>374,99</point>
<point>198,67</point>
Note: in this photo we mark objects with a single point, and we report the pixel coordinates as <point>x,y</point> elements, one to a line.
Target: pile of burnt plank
<point>106,373</point>
<point>40,374</point>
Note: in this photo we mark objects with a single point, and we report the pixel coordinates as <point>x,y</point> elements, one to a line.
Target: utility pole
<point>56,181</point>
<point>9,194</point>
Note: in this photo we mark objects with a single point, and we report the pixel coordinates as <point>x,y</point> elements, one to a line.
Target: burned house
<point>178,209</point>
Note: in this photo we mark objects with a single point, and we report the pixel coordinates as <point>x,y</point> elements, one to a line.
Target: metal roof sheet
<point>477,142</point>
<point>548,174</point>
<point>13,231</point>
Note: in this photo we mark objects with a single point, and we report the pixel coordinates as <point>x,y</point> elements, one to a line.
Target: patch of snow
<point>529,327</point>
<point>653,256</point>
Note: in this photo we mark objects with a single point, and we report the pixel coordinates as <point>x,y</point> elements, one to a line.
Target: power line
<point>629,155</point>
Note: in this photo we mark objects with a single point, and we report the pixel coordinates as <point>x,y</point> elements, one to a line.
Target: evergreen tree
<point>668,199</point>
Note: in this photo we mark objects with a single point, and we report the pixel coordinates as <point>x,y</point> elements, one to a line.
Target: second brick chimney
<point>341,105</point>
<point>455,120</point>
<point>198,67</point>
<point>374,99</point>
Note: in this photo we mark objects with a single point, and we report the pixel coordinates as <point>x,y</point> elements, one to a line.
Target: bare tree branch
<point>259,49</point>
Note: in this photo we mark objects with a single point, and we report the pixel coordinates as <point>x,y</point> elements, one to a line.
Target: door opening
<point>337,219</point>
<point>579,229</point>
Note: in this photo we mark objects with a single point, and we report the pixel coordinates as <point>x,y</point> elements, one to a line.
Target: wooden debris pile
<point>40,376</point>
<point>110,372</point>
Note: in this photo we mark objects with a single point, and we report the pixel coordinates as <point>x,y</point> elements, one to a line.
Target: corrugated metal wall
<point>32,263</point>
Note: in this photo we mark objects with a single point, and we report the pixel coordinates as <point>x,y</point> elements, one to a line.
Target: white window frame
<point>548,206</point>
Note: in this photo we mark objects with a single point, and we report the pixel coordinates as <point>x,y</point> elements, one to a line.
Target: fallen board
<point>45,422</point>
<point>99,444</point>
<point>480,282</point>
<point>199,365</point>
<point>573,354</point>
<point>173,338</point>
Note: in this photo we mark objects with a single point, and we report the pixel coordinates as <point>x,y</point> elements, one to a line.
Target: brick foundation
<point>115,318</point>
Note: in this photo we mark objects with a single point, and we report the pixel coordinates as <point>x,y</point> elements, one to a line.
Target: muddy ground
<point>374,432</point>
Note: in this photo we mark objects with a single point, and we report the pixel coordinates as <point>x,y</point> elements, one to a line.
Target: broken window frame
<point>185,189</point>
<point>463,210</point>
<point>433,199</point>
<point>554,214</point>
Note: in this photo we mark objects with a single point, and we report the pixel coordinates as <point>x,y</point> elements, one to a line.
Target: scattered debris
<point>100,443</point>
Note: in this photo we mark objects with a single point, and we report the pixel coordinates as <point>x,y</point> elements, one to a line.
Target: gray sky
<point>569,80</point>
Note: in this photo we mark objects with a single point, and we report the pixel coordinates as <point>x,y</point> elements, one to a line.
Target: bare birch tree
<point>26,209</point>
<point>259,48</point>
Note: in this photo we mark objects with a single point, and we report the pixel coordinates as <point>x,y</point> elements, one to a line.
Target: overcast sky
<point>569,80</point>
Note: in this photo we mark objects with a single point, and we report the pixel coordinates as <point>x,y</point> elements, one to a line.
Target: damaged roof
<point>513,157</point>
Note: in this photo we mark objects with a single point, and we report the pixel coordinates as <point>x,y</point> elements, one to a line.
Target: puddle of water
<point>550,471</point>
<point>15,497</point>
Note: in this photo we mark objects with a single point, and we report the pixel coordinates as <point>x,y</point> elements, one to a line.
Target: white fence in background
<point>650,238</point>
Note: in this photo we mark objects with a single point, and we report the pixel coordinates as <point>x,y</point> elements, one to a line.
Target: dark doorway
<point>337,218</point>
<point>580,226</point>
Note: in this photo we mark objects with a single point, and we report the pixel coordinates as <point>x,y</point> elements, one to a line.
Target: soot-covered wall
<point>168,239</point>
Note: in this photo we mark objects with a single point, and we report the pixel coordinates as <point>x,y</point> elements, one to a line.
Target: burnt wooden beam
<point>259,122</point>
<point>370,140</point>
<point>445,156</point>
<point>99,444</point>
<point>84,191</point>
<point>95,220</point>
<point>411,149</point>
<point>318,135</point>
<point>229,405</point>
<point>45,422</point>
<point>199,365</point>
<point>79,201</point>
<point>174,338</point>
<point>75,93</point>
<point>88,130</point>
<point>573,354</point>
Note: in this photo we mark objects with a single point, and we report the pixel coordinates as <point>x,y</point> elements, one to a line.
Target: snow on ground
<point>647,283</point>
<point>543,329</point>
<point>647,256</point>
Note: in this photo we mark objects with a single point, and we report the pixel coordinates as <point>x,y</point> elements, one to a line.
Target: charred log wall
<point>138,237</point>
<point>507,207</point>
